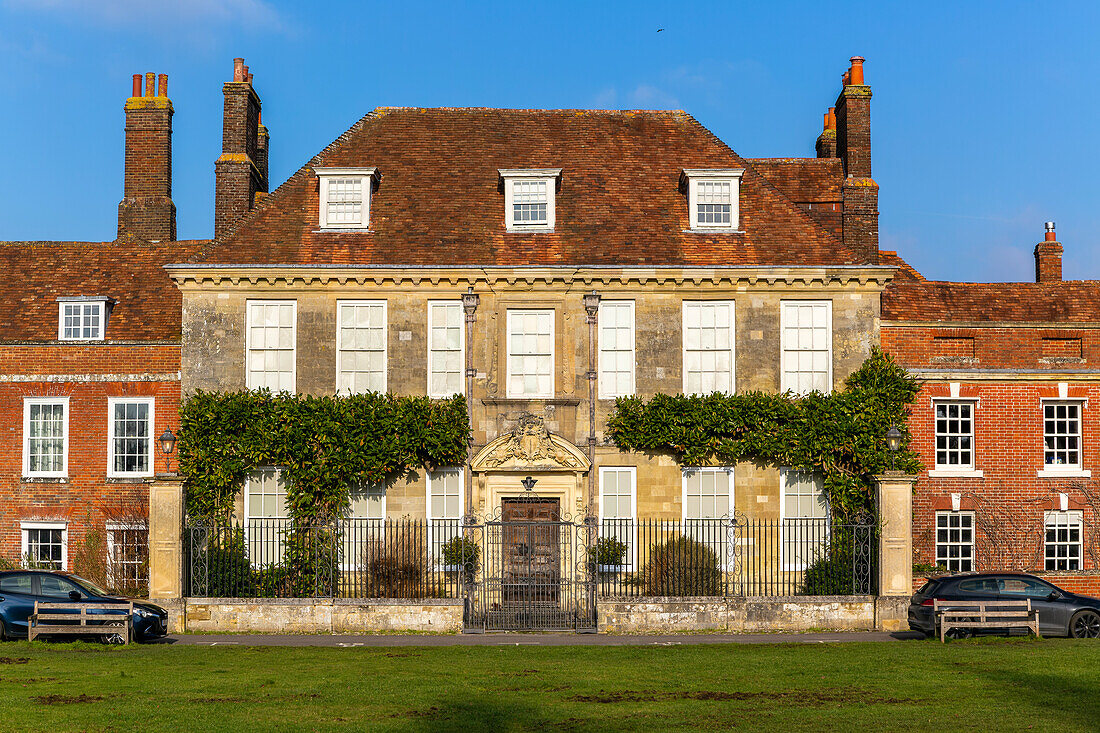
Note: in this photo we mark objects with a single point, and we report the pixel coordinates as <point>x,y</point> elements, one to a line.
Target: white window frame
<point>151,438</point>
<point>513,175</point>
<point>249,382</point>
<point>340,305</point>
<point>945,560</point>
<point>432,306</point>
<point>1062,470</point>
<point>956,470</point>
<point>785,520</point>
<point>784,386</point>
<point>714,175</point>
<point>112,564</point>
<point>24,539</point>
<point>604,391</point>
<point>27,402</point>
<point>325,176</point>
<point>512,312</point>
<point>274,543</point>
<point>684,307</point>
<point>100,303</point>
<point>435,544</point>
<point>361,532</point>
<point>1063,520</point>
<point>686,471</point>
<point>632,554</point>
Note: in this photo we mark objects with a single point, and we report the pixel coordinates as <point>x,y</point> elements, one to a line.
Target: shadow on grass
<point>474,715</point>
<point>1074,697</point>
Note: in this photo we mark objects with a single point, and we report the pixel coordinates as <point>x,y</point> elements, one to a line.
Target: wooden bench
<point>82,623</point>
<point>985,615</point>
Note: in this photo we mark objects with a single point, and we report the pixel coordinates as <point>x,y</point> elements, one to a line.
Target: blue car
<point>19,589</point>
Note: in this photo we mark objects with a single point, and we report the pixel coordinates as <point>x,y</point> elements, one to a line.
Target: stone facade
<point>214,307</point>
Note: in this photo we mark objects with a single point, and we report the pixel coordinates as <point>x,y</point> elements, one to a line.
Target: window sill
<point>1063,473</point>
<point>343,230</point>
<point>44,479</point>
<point>714,230</point>
<point>129,479</point>
<point>952,473</point>
<point>529,230</point>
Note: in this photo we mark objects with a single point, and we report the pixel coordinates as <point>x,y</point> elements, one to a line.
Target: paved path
<point>391,640</point>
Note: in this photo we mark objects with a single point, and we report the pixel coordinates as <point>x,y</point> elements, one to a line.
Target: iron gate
<point>534,573</point>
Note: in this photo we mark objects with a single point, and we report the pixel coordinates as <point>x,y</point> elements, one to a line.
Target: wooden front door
<point>531,552</point>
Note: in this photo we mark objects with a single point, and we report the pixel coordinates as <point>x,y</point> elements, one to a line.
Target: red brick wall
<point>1009,499</point>
<point>992,347</point>
<point>87,497</point>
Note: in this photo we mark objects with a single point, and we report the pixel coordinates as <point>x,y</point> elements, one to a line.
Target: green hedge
<point>838,435</point>
<point>323,444</point>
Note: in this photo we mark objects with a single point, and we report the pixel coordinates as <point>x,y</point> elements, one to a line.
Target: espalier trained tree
<point>837,435</point>
<point>323,445</point>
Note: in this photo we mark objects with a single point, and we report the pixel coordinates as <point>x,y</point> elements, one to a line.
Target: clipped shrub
<point>610,551</point>
<point>681,566</point>
<point>833,573</point>
<point>397,565</point>
<point>228,572</point>
<point>463,553</point>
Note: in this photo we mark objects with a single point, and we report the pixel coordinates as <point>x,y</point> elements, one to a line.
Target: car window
<point>52,586</point>
<point>1023,588</point>
<point>979,586</point>
<point>19,583</point>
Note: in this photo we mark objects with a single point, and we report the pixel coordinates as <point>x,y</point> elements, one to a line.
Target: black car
<point>1061,613</point>
<point>19,589</point>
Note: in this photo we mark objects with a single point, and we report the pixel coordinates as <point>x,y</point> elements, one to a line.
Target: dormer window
<point>713,195</point>
<point>529,198</point>
<point>82,318</point>
<point>345,197</point>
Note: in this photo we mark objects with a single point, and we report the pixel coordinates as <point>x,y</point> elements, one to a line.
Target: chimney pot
<point>250,78</point>
<point>238,69</point>
<point>162,85</point>
<point>1050,234</point>
<point>137,86</point>
<point>855,74</point>
<point>150,84</point>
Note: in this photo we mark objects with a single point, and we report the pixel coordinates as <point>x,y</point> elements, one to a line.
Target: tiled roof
<point>37,273</point>
<point>439,201</point>
<point>1068,302</point>
<point>803,180</point>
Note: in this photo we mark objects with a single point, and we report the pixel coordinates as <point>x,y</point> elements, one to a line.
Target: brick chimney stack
<point>241,171</point>
<point>826,141</point>
<point>853,146</point>
<point>146,211</point>
<point>1048,257</point>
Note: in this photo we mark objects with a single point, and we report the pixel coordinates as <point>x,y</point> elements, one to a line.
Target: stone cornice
<point>297,276</point>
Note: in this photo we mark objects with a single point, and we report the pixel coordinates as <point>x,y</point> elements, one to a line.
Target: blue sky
<point>984,119</point>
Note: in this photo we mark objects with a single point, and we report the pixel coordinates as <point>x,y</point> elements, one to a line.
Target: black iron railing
<point>497,565</point>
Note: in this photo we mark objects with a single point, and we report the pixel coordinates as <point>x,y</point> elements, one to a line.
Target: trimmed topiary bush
<point>681,566</point>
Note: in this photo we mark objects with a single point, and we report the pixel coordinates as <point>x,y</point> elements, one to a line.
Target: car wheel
<point>959,634</point>
<point>113,639</point>
<point>3,631</point>
<point>1085,625</point>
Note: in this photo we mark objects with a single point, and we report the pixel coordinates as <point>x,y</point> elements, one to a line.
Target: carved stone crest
<point>530,445</point>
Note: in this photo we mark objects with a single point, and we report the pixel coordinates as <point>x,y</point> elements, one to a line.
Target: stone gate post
<point>166,536</point>
<point>894,491</point>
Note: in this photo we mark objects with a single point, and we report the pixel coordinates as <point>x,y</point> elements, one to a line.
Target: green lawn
<point>919,685</point>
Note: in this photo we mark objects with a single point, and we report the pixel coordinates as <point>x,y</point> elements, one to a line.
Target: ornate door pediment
<point>530,446</point>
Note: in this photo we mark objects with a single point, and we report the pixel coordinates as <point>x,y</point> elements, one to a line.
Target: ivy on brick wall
<point>840,435</point>
<point>323,444</point>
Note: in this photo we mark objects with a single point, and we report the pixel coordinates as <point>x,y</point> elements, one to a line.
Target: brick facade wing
<point>147,303</point>
<point>439,201</point>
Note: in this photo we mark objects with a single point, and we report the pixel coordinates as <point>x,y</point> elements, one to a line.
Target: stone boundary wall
<point>628,616</point>
<point>790,613</point>
<point>312,615</point>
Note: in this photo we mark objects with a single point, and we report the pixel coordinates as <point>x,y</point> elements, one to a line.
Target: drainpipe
<point>470,301</point>
<point>592,309</point>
